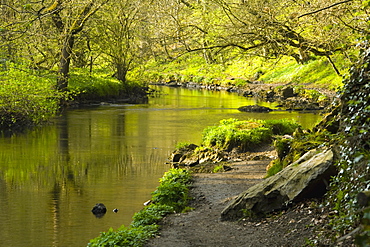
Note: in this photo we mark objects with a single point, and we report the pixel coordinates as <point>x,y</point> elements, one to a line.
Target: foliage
<point>173,190</point>
<point>171,195</point>
<point>244,70</point>
<point>290,150</point>
<point>97,85</point>
<point>27,97</point>
<point>151,215</point>
<point>218,168</point>
<point>245,135</point>
<point>354,155</point>
<point>281,126</point>
<point>133,237</point>
<point>316,72</point>
<point>274,167</point>
<point>181,145</point>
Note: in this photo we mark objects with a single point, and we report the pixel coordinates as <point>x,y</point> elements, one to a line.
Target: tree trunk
<point>121,72</point>
<point>65,61</point>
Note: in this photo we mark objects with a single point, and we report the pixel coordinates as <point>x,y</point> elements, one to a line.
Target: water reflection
<point>51,177</point>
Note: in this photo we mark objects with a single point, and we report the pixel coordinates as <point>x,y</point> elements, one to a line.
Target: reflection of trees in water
<point>55,212</point>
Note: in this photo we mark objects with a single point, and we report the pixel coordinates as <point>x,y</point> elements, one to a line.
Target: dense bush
<point>171,195</point>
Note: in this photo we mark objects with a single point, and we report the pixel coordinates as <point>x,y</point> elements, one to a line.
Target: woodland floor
<point>211,192</point>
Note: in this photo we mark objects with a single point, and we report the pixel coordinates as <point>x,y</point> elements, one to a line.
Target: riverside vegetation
<point>172,193</point>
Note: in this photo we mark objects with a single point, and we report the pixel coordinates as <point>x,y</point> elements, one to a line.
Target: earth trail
<point>211,193</point>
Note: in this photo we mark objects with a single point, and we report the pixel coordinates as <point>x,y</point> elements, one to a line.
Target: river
<point>51,177</point>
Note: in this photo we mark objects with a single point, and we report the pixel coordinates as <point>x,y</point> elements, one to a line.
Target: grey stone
<point>306,178</point>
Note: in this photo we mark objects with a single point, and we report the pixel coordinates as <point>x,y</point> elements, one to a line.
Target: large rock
<point>306,178</point>
<point>254,108</point>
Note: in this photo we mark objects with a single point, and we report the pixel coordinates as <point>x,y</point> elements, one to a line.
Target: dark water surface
<point>51,177</point>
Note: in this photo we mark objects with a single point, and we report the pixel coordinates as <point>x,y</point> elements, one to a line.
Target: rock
<point>99,210</point>
<point>300,104</point>
<point>287,92</point>
<point>306,178</point>
<point>180,154</point>
<point>254,108</point>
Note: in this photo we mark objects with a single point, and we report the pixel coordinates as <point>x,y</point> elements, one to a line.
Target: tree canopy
<point>121,35</point>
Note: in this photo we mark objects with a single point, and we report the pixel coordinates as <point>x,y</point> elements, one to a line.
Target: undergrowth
<point>27,97</point>
<point>242,71</point>
<point>290,150</point>
<point>170,196</point>
<point>245,135</point>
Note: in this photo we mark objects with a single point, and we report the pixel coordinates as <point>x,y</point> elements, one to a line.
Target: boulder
<point>254,108</point>
<point>306,178</point>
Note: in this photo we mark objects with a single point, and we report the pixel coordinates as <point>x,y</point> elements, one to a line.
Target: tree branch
<point>328,7</point>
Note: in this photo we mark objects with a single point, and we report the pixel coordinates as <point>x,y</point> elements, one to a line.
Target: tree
<point>275,28</point>
<point>70,18</point>
<point>30,24</point>
<point>118,30</point>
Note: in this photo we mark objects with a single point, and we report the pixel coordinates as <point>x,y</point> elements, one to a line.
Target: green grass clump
<point>173,190</point>
<point>181,145</point>
<point>245,135</point>
<point>170,196</point>
<point>282,126</point>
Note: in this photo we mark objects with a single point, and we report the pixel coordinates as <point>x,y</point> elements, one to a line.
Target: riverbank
<point>292,97</point>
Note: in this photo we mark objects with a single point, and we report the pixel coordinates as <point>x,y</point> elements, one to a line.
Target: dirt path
<point>211,193</point>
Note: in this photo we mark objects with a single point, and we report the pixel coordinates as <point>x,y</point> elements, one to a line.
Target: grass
<point>240,71</point>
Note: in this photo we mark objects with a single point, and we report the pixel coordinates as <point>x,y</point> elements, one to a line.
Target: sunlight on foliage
<point>245,135</point>
<point>27,98</point>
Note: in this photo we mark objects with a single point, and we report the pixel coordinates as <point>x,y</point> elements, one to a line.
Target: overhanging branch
<point>328,7</point>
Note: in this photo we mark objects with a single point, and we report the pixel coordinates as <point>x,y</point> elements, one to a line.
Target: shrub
<point>246,135</point>
<point>173,190</point>
<point>282,126</point>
